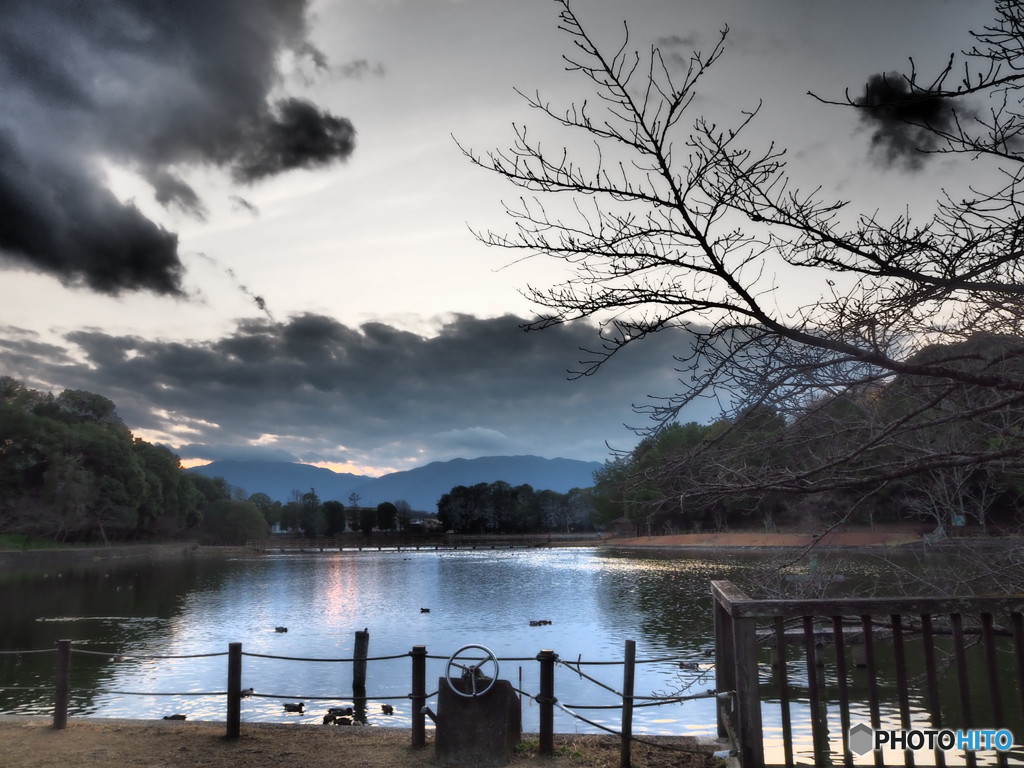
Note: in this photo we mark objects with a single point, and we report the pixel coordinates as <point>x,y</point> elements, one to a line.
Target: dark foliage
<point>501,508</point>
<point>70,470</point>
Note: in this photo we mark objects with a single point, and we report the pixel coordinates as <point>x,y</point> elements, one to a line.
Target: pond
<point>594,599</point>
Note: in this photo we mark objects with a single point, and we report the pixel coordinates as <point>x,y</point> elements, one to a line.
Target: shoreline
<point>833,540</point>
<point>42,560</point>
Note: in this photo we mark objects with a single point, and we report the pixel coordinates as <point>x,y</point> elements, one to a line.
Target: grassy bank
<point>58,557</point>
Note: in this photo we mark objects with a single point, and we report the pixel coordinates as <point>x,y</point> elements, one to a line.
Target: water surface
<point>596,600</point>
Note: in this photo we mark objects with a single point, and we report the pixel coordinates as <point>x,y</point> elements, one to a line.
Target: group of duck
<point>336,715</point>
<point>539,622</point>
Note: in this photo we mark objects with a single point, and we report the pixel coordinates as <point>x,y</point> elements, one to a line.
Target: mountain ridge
<point>421,486</point>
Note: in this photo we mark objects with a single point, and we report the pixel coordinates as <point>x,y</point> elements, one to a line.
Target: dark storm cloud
<point>376,394</point>
<point>172,190</point>
<point>904,121</point>
<point>22,350</point>
<point>57,217</point>
<point>154,86</point>
<point>296,135</point>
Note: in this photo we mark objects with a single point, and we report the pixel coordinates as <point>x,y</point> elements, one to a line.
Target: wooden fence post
<point>628,676</point>
<point>736,658</point>
<point>725,670</point>
<point>234,714</point>
<point>63,685</point>
<point>546,701</point>
<point>748,691</point>
<point>418,696</point>
<point>361,651</point>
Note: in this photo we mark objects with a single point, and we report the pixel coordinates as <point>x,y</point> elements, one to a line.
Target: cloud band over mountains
<point>316,390</point>
<point>153,86</point>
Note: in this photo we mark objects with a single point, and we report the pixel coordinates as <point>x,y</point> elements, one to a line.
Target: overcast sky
<point>247,222</point>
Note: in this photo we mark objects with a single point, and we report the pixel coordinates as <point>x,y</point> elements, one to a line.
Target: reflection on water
<point>594,599</point>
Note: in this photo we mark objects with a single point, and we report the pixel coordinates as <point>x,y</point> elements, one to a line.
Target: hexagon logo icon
<point>862,739</point>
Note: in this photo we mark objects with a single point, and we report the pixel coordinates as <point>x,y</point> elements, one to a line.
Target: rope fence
<point>329,661</point>
<point>544,698</point>
<point>133,656</point>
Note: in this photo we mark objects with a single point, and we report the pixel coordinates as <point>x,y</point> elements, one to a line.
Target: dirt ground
<point>92,743</point>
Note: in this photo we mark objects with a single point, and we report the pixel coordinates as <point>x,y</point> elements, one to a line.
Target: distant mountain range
<point>421,487</point>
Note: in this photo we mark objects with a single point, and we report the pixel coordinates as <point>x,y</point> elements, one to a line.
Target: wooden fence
<point>545,697</point>
<point>846,644</point>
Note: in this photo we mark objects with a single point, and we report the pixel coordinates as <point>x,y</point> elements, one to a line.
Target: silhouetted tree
<point>312,515</point>
<point>367,519</point>
<point>232,522</point>
<point>387,516</point>
<point>667,220</point>
<point>270,508</point>
<point>334,515</point>
<point>352,517</point>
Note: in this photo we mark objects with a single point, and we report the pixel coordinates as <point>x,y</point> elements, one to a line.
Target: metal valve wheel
<point>479,680</point>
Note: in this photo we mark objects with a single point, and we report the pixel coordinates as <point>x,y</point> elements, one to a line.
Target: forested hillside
<point>70,470</point>
<point>949,463</point>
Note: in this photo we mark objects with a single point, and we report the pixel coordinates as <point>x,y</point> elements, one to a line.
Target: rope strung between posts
<point>334,698</point>
<point>130,656</point>
<point>326,661</point>
<point>133,656</point>
<point>480,658</point>
<point>595,681</point>
<point>153,693</point>
<point>606,729</point>
<point>662,660</point>
<point>289,696</point>
<point>573,666</point>
<point>578,661</point>
<point>650,701</point>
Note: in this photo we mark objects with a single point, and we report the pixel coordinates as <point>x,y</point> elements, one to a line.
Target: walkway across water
<point>285,544</point>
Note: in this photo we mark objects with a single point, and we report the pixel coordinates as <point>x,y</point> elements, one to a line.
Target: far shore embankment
<point>839,541</point>
<point>755,540</point>
<point>49,559</point>
<point>45,560</point>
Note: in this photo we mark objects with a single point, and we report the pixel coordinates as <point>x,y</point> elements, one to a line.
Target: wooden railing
<point>901,663</point>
